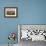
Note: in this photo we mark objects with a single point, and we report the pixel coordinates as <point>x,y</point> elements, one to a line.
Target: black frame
<point>11,16</point>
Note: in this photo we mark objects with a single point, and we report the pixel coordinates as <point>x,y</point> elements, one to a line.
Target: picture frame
<point>10,12</point>
<point>37,29</point>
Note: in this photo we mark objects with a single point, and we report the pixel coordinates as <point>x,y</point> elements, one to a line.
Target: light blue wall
<point>29,12</point>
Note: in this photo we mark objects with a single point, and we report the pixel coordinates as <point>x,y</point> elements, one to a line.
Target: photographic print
<point>10,11</point>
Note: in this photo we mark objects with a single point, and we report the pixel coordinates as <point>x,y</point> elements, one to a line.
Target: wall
<point>29,12</point>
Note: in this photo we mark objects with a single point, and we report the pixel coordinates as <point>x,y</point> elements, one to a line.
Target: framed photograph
<point>11,12</point>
